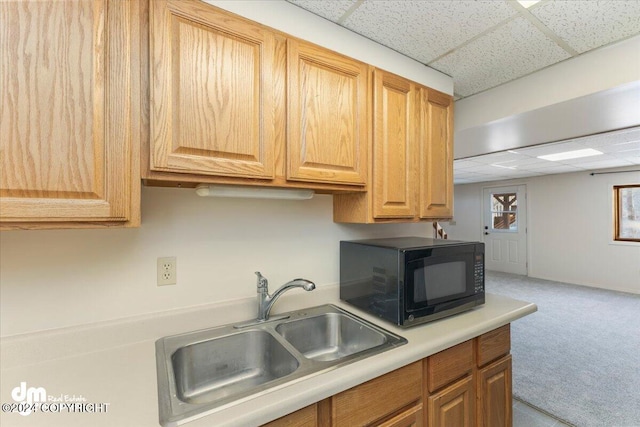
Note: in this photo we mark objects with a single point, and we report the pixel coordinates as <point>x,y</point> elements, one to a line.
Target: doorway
<point>505,229</point>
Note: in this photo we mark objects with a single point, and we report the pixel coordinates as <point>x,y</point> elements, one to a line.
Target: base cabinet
<point>494,394</point>
<point>453,406</point>
<point>467,385</point>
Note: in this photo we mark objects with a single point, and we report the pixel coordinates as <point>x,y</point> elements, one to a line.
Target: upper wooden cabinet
<point>394,147</point>
<point>69,114</point>
<point>436,154</point>
<point>212,92</point>
<point>412,174</point>
<point>235,102</point>
<point>327,115</point>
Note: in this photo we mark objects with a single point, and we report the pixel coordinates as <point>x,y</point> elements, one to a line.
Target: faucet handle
<point>263,283</point>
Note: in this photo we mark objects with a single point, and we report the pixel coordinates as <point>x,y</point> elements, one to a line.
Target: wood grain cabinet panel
<point>378,398</point>
<point>412,417</point>
<point>449,365</point>
<point>453,406</point>
<point>436,155</point>
<point>327,116</point>
<point>394,150</point>
<point>69,114</point>
<point>493,344</point>
<point>212,92</point>
<point>495,395</point>
<point>305,417</point>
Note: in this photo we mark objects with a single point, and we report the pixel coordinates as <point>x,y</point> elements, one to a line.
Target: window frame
<point>617,212</point>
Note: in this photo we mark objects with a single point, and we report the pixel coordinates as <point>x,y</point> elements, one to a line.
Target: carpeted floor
<point>578,356</point>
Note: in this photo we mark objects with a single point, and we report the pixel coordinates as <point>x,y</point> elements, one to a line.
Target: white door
<point>505,229</point>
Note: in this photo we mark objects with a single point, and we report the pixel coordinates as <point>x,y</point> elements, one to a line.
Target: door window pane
<point>504,211</point>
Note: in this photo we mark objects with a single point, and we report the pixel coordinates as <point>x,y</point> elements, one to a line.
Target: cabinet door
<point>394,167</point>
<point>69,113</point>
<point>412,417</point>
<point>327,116</point>
<point>494,394</point>
<point>453,406</point>
<point>212,92</point>
<point>436,155</point>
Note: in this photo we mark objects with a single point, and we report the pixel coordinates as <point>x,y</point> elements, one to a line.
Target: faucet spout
<point>266,301</point>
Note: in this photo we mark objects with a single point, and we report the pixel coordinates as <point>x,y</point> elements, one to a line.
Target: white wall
<point>570,224</point>
<point>51,279</point>
<point>591,72</point>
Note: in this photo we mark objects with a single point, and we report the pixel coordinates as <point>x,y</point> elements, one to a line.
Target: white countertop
<point>113,363</point>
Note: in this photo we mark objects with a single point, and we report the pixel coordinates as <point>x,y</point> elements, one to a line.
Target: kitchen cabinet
<point>393,189</point>
<point>436,155</point>
<point>327,115</point>
<point>453,406</point>
<point>305,417</point>
<point>377,400</point>
<point>450,386</point>
<point>412,172</point>
<point>235,102</point>
<point>494,379</point>
<point>466,385</point>
<point>70,114</point>
<point>212,92</point>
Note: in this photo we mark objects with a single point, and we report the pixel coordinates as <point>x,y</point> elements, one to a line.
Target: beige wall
<point>52,279</point>
<point>570,228</point>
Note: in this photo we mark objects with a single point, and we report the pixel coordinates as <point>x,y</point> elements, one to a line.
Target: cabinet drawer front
<point>494,344</point>
<point>448,365</point>
<point>305,417</point>
<point>379,397</point>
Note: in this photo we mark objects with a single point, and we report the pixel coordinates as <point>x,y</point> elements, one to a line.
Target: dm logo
<point>29,396</point>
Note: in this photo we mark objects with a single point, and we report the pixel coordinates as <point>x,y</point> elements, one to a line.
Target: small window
<point>504,209</point>
<point>627,212</point>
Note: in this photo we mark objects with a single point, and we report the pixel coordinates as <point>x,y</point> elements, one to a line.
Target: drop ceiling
<point>619,149</point>
<point>482,44</point>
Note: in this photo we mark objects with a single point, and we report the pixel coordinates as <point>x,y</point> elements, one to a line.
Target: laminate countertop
<point>105,374</point>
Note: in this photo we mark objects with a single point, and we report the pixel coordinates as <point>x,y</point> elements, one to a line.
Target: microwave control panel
<point>478,273</point>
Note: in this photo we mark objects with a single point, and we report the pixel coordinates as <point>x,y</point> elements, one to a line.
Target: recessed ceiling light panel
<point>528,3</point>
<point>576,154</point>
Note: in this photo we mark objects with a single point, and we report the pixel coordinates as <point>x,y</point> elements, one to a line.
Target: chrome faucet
<point>266,301</point>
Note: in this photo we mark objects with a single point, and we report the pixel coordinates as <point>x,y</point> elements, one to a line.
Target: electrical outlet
<point>167,271</point>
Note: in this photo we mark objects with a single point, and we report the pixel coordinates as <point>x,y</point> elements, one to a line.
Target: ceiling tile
<point>425,30</point>
<point>605,163</point>
<point>585,25</point>
<point>511,51</point>
<point>329,9</point>
<point>616,137</point>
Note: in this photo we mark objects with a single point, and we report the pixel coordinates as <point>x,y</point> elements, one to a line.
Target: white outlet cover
<point>167,271</point>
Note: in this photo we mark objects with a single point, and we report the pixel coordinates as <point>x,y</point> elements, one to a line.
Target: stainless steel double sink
<point>201,372</point>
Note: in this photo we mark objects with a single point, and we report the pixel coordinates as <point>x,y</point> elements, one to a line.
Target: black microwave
<point>412,280</point>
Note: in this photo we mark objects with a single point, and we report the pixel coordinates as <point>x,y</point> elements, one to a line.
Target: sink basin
<point>202,371</point>
<point>330,336</point>
<point>214,369</point>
